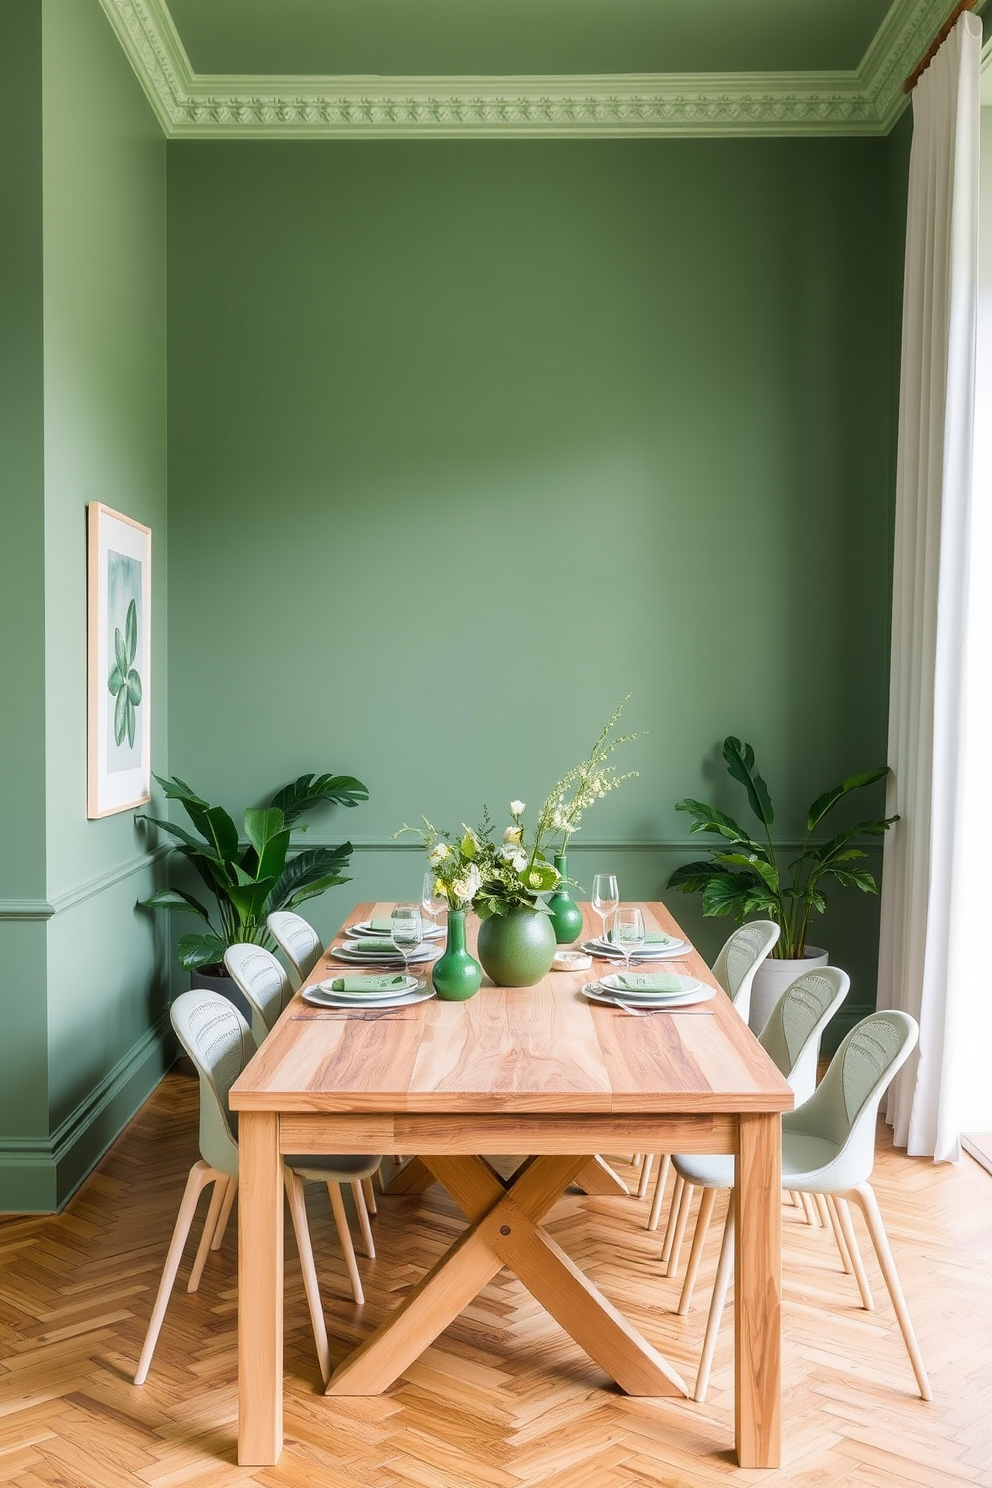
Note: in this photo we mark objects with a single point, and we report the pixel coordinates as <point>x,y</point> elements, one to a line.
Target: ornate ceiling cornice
<point>201,106</point>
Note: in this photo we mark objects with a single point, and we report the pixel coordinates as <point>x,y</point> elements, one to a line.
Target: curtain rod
<point>937,43</point>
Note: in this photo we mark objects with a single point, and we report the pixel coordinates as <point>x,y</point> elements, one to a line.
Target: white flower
<point>520,862</point>
<point>513,834</point>
<point>468,885</point>
<point>517,808</point>
<point>438,854</point>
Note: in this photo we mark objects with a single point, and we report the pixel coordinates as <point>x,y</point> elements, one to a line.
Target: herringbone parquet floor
<point>504,1399</point>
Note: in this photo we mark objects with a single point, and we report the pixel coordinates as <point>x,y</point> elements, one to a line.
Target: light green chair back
<point>264,983</point>
<point>740,958</point>
<point>297,939</point>
<point>793,1032</point>
<point>219,1042</point>
<point>828,1143</point>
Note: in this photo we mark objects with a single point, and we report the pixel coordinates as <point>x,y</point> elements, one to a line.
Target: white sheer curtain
<point>934,959</point>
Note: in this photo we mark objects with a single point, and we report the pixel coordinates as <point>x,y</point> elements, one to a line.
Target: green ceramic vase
<point>456,975</point>
<point>517,949</point>
<point>566,916</point>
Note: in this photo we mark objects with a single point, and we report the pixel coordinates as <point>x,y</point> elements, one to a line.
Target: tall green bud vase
<point>566,916</point>
<point>456,974</point>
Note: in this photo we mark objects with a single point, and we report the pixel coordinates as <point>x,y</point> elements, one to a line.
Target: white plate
<point>362,953</point>
<point>403,984</point>
<point>614,985</point>
<point>679,949</point>
<point>609,999</point>
<point>319,998</point>
<point>364,927</point>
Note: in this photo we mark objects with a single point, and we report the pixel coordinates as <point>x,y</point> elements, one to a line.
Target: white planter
<point>771,979</point>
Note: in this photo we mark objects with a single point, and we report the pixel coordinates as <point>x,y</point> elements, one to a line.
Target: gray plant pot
<point>226,986</point>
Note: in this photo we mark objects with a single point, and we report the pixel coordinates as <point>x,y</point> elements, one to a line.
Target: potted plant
<point>249,882</point>
<point>746,879</point>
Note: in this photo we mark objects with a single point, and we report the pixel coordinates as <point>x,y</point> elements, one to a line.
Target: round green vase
<point>566,916</point>
<point>456,975</point>
<point>517,949</point>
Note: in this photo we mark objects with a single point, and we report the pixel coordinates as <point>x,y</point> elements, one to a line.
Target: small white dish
<point>571,961</point>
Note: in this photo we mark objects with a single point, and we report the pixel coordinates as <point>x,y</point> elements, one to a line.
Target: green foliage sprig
<point>249,883</point>
<point>746,880</point>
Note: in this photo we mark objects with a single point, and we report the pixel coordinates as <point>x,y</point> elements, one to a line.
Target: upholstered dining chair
<point>828,1148</point>
<point>734,968</point>
<point>791,1037</point>
<point>219,1042</point>
<point>298,941</point>
<point>267,991</point>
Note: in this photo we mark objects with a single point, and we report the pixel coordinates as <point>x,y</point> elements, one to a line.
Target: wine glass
<point>628,931</point>
<point>605,896</point>
<point>406,929</point>
<point>431,902</point>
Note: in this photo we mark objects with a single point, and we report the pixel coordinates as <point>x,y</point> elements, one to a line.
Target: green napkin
<point>646,981</point>
<point>651,937</point>
<point>383,926</point>
<point>378,947</point>
<point>366,983</point>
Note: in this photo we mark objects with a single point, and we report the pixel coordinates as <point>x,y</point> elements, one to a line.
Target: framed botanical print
<point>119,618</point>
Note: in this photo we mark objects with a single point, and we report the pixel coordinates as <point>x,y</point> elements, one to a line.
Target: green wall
<point>470,439</point>
<point>83,986</point>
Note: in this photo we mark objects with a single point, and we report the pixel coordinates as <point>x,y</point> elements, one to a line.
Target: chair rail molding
<point>44,909</point>
<point>189,105</point>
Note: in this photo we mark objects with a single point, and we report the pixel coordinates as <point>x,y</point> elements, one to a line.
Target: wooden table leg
<point>597,1177</point>
<point>260,1302</point>
<point>414,1177</point>
<point>758,1292</point>
<point>505,1231</point>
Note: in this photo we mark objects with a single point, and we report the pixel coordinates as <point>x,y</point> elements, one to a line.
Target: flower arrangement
<point>475,871</point>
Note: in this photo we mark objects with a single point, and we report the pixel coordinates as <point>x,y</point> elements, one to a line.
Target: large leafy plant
<point>745,878</point>
<point>249,883</point>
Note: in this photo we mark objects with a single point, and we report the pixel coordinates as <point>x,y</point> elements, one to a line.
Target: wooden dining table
<point>539,1071</point>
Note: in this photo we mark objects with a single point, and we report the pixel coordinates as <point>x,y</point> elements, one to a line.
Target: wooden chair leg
<point>301,1229</point>
<point>344,1235</point>
<point>865,1199</point>
<point>703,1218</point>
<point>659,1192</point>
<point>645,1178</point>
<point>724,1267</point>
<point>685,1204</point>
<point>225,1215</point>
<point>808,1210</point>
<point>200,1175</point>
<point>358,1193</point>
<point>209,1230</point>
<point>368,1189</point>
<point>853,1250</point>
<point>820,1204</point>
<point>678,1188</point>
<point>842,1250</point>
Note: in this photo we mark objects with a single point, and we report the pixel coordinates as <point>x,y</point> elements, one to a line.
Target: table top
<point>515,1049</point>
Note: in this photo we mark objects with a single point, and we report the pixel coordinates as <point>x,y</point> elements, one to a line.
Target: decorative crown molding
<point>203,106</point>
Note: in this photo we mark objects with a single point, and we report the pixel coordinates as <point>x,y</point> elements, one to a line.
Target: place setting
<point>639,944</point>
<point>401,939</point>
<point>638,992</point>
<point>368,994</point>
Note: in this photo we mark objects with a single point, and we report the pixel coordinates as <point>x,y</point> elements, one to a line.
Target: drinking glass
<point>407,931</point>
<point>431,902</point>
<point>628,931</point>
<point>605,896</point>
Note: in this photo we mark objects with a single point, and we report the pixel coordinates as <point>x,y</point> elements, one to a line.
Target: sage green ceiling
<point>488,68</point>
<point>409,38</point>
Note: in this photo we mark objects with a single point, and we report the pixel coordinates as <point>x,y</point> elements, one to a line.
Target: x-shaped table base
<point>505,1230</point>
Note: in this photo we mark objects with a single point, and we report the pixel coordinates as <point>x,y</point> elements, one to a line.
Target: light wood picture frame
<point>118,662</point>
